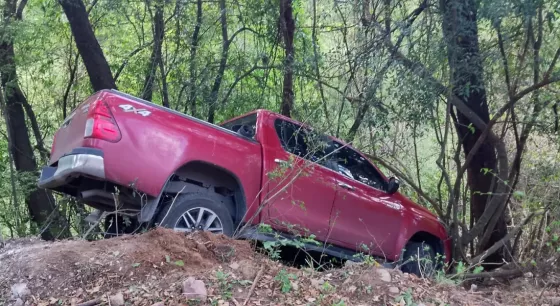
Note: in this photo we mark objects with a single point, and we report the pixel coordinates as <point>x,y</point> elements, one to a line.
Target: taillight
<point>100,123</point>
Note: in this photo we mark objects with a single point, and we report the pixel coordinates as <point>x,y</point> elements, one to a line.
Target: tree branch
<point>408,181</point>
<point>496,246</point>
<point>244,75</point>
<point>130,55</point>
<point>230,40</point>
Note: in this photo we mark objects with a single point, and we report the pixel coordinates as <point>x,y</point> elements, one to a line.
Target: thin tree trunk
<point>73,70</point>
<point>465,63</point>
<point>92,55</point>
<point>39,202</point>
<point>156,57</point>
<point>213,100</point>
<point>316,63</point>
<point>192,64</point>
<point>287,28</point>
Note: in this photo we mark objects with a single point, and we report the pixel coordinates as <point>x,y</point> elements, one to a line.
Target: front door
<point>365,217</point>
<point>299,190</point>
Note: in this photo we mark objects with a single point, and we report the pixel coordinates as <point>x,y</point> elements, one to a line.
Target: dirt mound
<point>64,268</point>
<point>153,267</point>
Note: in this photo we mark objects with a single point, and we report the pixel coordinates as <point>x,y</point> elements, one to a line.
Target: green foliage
<point>285,280</point>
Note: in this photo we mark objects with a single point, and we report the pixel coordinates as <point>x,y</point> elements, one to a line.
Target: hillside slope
<point>163,267</point>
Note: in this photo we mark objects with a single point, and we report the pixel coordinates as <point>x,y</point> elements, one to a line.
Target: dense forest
<point>457,98</point>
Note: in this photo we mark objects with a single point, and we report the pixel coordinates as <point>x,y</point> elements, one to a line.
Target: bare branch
<point>552,64</point>
<point>502,241</point>
<point>408,181</point>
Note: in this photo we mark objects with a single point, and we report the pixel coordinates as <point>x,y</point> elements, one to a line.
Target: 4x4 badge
<point>129,108</point>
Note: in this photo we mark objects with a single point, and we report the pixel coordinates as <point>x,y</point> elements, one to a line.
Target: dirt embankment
<point>169,268</point>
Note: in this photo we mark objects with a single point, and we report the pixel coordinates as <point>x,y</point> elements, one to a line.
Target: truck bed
<point>151,144</point>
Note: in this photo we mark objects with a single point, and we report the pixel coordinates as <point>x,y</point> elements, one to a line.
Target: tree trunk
<point>192,64</point>
<point>39,202</point>
<point>213,100</point>
<point>287,28</point>
<point>96,65</point>
<point>156,57</point>
<point>465,63</point>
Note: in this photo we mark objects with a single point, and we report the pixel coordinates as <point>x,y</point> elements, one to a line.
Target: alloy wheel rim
<point>199,219</point>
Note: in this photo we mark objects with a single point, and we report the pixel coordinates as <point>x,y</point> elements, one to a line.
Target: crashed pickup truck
<point>118,153</point>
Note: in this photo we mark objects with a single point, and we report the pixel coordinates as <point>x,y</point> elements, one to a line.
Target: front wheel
<point>419,258</point>
<point>197,212</point>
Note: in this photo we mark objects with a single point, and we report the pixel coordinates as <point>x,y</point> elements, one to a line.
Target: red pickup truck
<point>116,152</point>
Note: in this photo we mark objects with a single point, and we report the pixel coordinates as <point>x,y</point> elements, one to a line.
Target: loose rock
<point>20,290</point>
<point>394,290</point>
<point>117,299</point>
<point>384,275</point>
<point>194,289</point>
<point>247,269</point>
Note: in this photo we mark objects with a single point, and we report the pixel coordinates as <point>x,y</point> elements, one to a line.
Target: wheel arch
<point>196,176</point>
<point>426,237</point>
<point>431,239</point>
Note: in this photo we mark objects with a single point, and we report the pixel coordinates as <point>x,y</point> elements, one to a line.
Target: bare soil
<point>151,267</point>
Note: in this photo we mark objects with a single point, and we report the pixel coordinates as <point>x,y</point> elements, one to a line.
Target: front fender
<point>419,223</point>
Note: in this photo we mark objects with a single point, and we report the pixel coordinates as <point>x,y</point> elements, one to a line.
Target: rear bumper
<point>80,162</point>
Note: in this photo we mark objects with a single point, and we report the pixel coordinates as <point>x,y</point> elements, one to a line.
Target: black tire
<point>172,213</point>
<point>419,258</point>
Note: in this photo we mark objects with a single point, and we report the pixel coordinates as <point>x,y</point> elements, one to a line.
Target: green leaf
<point>167,258</point>
<point>471,128</point>
<point>478,269</point>
<point>179,263</point>
<point>269,244</point>
<point>136,265</point>
<point>518,194</point>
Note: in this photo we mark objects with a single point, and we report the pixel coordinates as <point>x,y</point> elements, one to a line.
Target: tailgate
<point>70,135</point>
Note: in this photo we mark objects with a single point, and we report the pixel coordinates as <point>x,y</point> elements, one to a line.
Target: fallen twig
<point>253,285</point>
<point>507,274</point>
<point>90,302</point>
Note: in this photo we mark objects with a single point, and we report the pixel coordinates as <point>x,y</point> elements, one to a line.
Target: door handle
<point>345,186</point>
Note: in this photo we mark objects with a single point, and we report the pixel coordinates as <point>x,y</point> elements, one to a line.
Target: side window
<point>301,141</point>
<point>246,126</point>
<point>291,137</point>
<point>354,166</point>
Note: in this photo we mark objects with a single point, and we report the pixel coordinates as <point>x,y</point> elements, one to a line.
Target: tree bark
<point>287,29</point>
<point>39,202</point>
<point>96,65</point>
<point>156,57</point>
<point>213,99</point>
<point>192,64</point>
<point>465,63</point>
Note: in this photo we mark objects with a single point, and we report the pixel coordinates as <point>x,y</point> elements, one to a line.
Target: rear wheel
<point>419,258</point>
<point>197,212</point>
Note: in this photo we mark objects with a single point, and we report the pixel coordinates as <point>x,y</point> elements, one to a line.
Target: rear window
<point>245,126</point>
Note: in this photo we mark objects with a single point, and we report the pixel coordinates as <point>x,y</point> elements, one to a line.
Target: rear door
<point>299,191</point>
<point>365,217</point>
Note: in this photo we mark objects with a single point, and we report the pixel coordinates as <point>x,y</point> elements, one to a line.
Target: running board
<point>252,233</point>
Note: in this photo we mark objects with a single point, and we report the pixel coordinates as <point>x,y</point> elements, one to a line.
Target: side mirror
<point>393,185</point>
